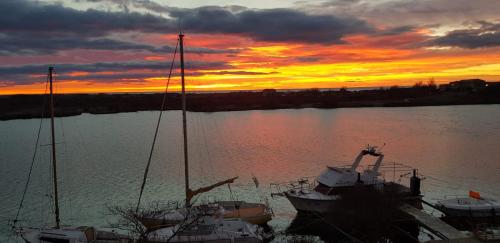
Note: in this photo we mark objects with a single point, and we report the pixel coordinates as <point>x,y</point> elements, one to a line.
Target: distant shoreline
<point>30,106</point>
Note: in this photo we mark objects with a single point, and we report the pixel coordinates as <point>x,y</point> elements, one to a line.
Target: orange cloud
<point>362,61</point>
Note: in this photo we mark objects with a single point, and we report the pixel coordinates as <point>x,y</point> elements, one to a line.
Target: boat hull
<point>254,213</point>
<point>486,213</point>
<point>469,207</point>
<point>82,234</point>
<point>312,206</point>
<point>152,223</point>
<point>257,219</point>
<point>193,239</point>
<point>208,229</point>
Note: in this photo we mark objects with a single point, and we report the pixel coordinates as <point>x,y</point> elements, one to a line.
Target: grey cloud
<point>286,25</point>
<point>49,20</point>
<point>127,4</point>
<point>308,59</point>
<point>396,30</point>
<point>488,35</point>
<point>413,13</point>
<point>20,74</point>
<point>25,44</point>
<point>282,25</point>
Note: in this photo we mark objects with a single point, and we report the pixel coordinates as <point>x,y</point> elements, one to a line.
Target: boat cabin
<point>335,180</point>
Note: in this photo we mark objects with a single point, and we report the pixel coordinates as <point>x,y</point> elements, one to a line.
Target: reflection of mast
<point>54,168</point>
<point>190,193</point>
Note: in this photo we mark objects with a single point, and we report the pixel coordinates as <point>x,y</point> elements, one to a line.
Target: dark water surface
<point>101,158</point>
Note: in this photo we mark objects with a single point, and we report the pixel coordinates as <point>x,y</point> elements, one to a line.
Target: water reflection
<point>102,157</point>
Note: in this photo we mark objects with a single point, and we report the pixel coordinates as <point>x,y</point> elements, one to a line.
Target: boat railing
<point>394,171</point>
<point>455,196</point>
<point>304,184</point>
<point>388,172</point>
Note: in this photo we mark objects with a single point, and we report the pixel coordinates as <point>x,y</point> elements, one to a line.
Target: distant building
<point>269,92</point>
<point>465,85</point>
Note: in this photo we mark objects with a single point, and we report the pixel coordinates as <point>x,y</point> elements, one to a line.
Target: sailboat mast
<point>184,128</point>
<point>54,164</point>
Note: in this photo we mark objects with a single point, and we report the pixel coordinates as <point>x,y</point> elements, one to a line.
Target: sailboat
<point>80,234</point>
<point>197,223</point>
<point>209,229</point>
<point>255,213</point>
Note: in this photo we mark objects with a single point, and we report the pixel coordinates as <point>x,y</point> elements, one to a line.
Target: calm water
<point>101,158</point>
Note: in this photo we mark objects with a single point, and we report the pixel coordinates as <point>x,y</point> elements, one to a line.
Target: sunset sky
<point>127,45</point>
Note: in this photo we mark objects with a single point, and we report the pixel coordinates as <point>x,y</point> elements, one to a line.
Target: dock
<point>443,230</point>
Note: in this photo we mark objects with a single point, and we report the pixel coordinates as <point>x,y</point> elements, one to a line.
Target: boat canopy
<point>339,177</point>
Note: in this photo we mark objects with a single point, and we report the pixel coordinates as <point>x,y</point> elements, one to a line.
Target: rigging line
<point>157,128</point>
<point>210,162</point>
<point>66,179</point>
<point>34,153</point>
<point>198,134</point>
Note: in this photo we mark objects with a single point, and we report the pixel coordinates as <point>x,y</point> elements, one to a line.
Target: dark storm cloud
<point>33,28</point>
<point>282,25</point>
<point>396,30</point>
<point>21,74</point>
<point>488,35</point>
<point>47,20</point>
<point>267,25</point>
<point>22,44</point>
<point>287,25</point>
<point>127,4</point>
<point>403,12</point>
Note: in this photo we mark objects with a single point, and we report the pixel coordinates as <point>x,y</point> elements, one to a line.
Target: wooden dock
<point>446,232</point>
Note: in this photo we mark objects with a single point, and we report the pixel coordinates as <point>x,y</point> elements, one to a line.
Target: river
<point>101,158</point>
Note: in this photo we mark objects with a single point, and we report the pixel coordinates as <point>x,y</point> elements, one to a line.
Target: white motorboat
<point>472,206</point>
<point>208,229</point>
<point>319,196</point>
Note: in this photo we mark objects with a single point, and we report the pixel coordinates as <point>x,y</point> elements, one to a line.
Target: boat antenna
<point>380,149</point>
<point>54,163</point>
<point>184,127</point>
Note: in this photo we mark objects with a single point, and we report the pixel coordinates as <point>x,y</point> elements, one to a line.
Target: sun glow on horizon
<point>361,61</point>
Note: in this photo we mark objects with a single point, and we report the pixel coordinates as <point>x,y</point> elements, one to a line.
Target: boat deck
<point>436,226</point>
<point>463,240</point>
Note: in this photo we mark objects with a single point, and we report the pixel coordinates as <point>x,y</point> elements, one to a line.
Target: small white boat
<point>81,234</point>
<point>319,197</point>
<point>476,206</point>
<point>208,229</point>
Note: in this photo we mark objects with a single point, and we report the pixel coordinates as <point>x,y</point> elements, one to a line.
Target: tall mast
<point>54,164</point>
<point>184,128</point>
